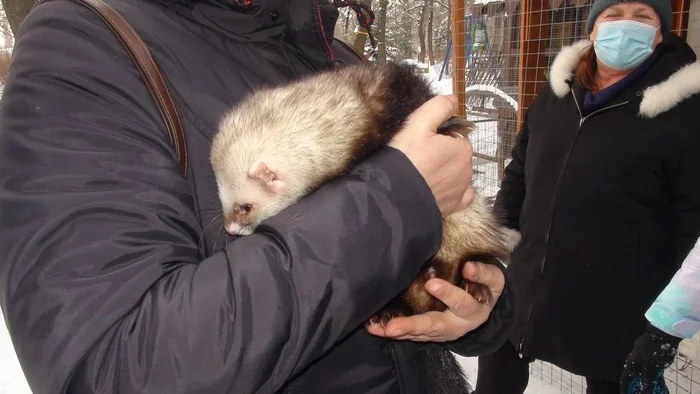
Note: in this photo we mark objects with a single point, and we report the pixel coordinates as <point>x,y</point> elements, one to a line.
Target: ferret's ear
<point>267,177</point>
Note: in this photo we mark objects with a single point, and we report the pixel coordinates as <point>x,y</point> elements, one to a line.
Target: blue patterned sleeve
<point>676,310</point>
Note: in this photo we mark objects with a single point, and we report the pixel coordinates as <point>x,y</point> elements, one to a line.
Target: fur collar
<point>656,99</point>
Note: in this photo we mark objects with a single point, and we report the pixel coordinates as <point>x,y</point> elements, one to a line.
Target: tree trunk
<point>381,31</point>
<point>431,57</point>
<point>421,30</point>
<point>16,11</point>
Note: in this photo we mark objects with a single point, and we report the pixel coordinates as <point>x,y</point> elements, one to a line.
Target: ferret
<point>281,143</point>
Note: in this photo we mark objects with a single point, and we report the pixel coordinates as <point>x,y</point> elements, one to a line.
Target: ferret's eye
<point>246,207</point>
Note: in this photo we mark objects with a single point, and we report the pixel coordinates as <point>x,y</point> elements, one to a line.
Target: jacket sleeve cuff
<point>676,310</point>
<point>491,335</point>
<point>659,337</point>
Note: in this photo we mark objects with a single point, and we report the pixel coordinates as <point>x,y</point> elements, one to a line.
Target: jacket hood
<point>677,75</point>
<point>307,25</point>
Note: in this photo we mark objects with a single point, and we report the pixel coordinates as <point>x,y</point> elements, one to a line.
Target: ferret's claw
<point>481,293</point>
<point>382,317</point>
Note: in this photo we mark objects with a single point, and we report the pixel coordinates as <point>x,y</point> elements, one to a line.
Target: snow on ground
<point>11,376</point>
<point>691,348</point>
<point>440,86</point>
<point>535,385</point>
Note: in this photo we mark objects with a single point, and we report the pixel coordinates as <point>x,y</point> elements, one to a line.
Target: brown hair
<point>586,70</point>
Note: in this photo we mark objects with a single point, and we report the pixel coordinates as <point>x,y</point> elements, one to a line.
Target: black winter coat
<point>113,277</point>
<point>608,206</point>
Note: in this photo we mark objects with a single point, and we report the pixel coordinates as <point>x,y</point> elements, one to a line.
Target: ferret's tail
<point>440,371</point>
<point>457,125</point>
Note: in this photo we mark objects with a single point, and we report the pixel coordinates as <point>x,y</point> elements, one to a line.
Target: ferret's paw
<point>383,316</point>
<point>481,293</point>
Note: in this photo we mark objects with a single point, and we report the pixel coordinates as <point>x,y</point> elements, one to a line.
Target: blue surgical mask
<point>624,44</point>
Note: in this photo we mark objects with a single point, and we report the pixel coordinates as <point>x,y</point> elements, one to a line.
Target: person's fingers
<point>456,299</point>
<point>375,329</point>
<point>429,324</point>
<point>463,312</point>
<point>488,274</point>
<point>428,117</point>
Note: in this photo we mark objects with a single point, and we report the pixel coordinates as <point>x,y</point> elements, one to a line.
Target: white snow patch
<point>12,379</point>
<point>535,385</point>
<point>440,86</point>
<point>691,348</point>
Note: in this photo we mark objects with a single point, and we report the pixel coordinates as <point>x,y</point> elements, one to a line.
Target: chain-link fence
<point>683,377</point>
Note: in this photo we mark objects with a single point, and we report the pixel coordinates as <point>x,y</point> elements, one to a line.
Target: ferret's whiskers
<point>297,216</point>
<point>218,233</point>
<point>215,219</point>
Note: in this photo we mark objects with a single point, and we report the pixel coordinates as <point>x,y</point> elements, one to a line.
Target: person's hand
<point>464,313</point>
<point>445,162</point>
<point>653,352</point>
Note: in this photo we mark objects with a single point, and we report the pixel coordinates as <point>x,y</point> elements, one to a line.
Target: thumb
<point>425,120</point>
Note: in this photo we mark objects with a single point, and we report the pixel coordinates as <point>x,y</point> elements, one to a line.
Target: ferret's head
<point>265,153</point>
<point>250,194</point>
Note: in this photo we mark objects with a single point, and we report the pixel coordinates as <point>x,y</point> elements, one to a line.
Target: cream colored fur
<point>485,232</point>
<point>296,136</point>
<point>563,67</point>
<point>668,94</point>
<point>657,99</point>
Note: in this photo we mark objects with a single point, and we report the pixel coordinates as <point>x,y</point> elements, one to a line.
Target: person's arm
<point>101,280</point>
<point>675,313</point>
<point>673,316</point>
<point>511,194</point>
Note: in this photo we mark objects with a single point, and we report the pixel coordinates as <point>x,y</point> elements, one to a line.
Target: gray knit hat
<point>662,7</point>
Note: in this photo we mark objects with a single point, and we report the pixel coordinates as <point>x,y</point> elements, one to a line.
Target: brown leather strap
<point>149,71</point>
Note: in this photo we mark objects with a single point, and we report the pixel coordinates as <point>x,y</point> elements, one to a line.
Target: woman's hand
<point>464,313</point>
<point>653,352</point>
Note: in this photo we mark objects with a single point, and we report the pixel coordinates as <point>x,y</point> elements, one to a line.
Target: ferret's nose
<point>233,228</point>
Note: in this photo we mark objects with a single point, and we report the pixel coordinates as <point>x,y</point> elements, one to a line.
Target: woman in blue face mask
<point>603,186</point>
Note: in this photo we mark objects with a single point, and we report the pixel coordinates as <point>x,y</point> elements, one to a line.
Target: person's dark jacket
<point>607,204</point>
<point>116,275</point>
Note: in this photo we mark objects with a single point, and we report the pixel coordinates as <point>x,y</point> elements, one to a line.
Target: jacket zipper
<point>563,167</point>
<point>554,202</point>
